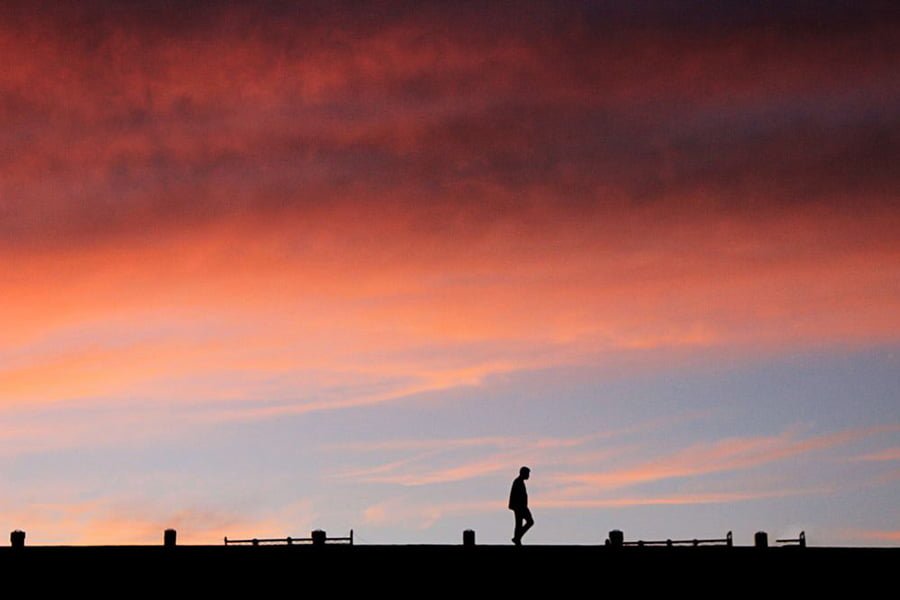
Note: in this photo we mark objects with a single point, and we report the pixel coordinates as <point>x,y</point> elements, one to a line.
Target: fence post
<point>318,537</point>
<point>761,539</point>
<point>616,538</point>
<point>468,537</point>
<point>17,538</point>
<point>169,537</point>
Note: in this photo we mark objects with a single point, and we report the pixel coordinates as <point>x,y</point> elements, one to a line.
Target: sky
<point>268,267</point>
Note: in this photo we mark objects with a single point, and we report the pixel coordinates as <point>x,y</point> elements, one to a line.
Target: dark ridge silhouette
<point>341,569</point>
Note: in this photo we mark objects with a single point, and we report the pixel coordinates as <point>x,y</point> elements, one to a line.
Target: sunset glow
<point>271,266</point>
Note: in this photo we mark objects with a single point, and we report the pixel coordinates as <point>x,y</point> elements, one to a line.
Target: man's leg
<point>529,521</point>
<point>517,533</point>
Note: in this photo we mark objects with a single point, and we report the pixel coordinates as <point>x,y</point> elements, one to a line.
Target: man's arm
<point>517,496</point>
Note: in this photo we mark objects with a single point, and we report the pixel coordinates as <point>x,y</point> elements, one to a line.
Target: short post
<point>17,539</point>
<point>469,537</point>
<point>761,539</point>
<point>616,538</point>
<point>318,537</point>
<point>729,540</point>
<point>802,539</point>
<point>169,536</point>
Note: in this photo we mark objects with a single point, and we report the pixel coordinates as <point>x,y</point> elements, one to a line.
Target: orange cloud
<point>416,211</point>
<point>227,303</point>
<point>109,521</point>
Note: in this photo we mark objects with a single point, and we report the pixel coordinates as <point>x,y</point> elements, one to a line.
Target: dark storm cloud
<point>130,115</point>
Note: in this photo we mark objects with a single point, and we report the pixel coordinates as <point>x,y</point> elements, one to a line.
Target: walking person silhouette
<point>518,503</point>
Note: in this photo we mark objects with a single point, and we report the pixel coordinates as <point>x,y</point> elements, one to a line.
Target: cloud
<point>117,521</point>
<point>438,462</point>
<point>399,512</point>
<point>407,513</point>
<point>137,125</point>
<point>417,201</point>
<point>256,211</point>
<point>420,457</point>
<point>673,499</point>
<point>470,470</point>
<point>273,302</point>
<point>888,454</point>
<point>727,455</point>
<point>879,535</point>
<point>872,536</point>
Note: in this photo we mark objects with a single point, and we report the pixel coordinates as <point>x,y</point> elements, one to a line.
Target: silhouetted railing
<point>726,541</point>
<point>800,541</point>
<point>318,537</point>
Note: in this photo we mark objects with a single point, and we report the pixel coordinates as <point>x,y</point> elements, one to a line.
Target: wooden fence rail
<point>800,541</point>
<point>726,541</point>
<point>318,537</point>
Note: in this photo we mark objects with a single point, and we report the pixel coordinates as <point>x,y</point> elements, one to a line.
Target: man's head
<point>524,472</point>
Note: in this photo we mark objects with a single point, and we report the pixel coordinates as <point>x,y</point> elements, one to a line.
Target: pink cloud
<point>673,499</point>
<point>728,455</point>
<point>881,536</point>
<point>397,512</point>
<point>888,454</point>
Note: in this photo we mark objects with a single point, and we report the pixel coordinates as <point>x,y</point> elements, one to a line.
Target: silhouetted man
<point>518,502</point>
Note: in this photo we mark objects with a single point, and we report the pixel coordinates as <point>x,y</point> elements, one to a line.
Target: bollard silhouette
<point>616,538</point>
<point>318,537</point>
<point>468,537</point>
<point>169,536</point>
<point>17,539</point>
<point>761,539</point>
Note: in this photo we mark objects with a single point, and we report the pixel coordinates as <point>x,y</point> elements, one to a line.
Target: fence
<point>726,541</point>
<point>317,538</point>
<point>800,541</point>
